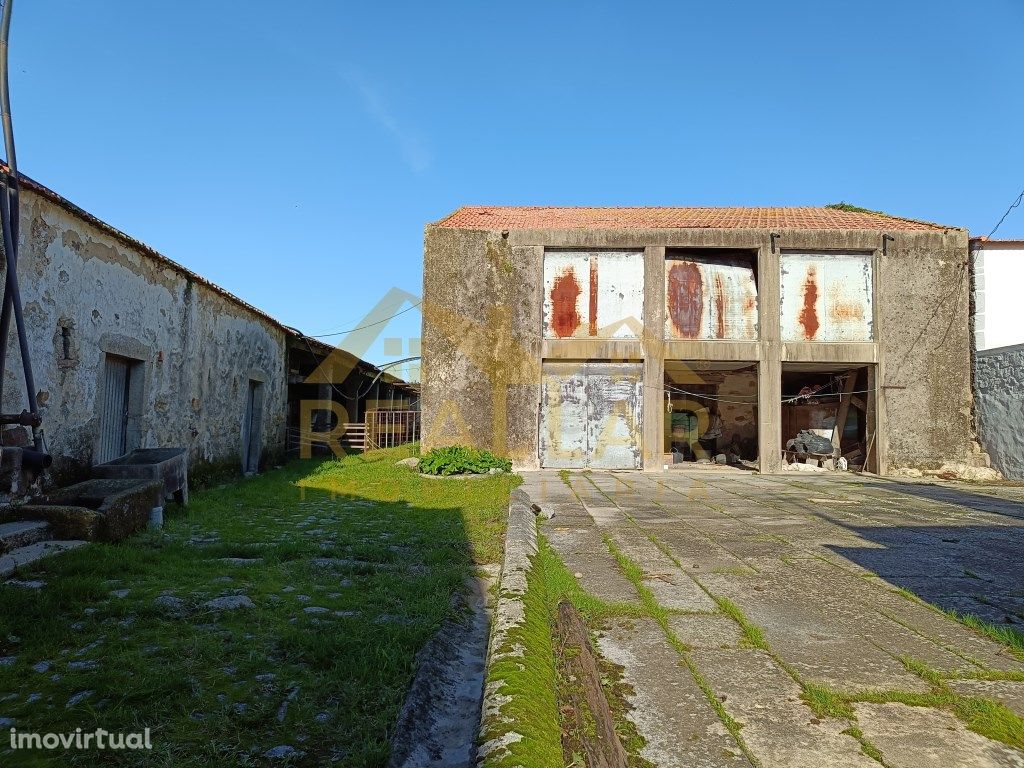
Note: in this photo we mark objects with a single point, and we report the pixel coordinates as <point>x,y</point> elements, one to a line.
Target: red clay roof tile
<point>542,217</point>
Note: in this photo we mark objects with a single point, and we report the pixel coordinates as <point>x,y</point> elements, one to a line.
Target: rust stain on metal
<point>843,309</point>
<point>826,297</point>
<point>685,299</point>
<point>565,316</point>
<point>721,300</point>
<point>809,313</point>
<point>593,297</point>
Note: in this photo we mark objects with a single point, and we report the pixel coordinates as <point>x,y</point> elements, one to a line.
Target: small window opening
<point>65,342</point>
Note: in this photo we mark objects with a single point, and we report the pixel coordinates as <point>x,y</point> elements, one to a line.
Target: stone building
<point>132,350</point>
<point>640,337</point>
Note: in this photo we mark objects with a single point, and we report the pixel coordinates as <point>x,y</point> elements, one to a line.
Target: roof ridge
<point>147,250</point>
<point>676,217</point>
<point>857,209</point>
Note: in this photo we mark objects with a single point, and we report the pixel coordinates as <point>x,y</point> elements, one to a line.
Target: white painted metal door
<point>614,414</point>
<point>591,415</point>
<point>563,416</point>
<point>114,416</point>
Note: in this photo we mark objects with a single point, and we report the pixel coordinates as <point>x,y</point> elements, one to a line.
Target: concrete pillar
<point>654,358</point>
<point>878,461</point>
<point>769,371</point>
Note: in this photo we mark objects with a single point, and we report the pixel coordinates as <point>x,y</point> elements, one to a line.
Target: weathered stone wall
<point>999,407</point>
<point>481,342</point>
<point>923,297</point>
<point>198,348</point>
<point>482,336</point>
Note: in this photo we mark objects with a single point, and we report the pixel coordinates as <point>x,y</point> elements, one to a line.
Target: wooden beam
<point>585,711</point>
<point>859,403</point>
<point>844,410</point>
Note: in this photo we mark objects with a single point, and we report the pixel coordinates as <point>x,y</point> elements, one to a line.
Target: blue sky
<point>293,152</point>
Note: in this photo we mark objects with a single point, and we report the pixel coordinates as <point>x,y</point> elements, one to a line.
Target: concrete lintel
<point>592,349</point>
<point>737,351</point>
<point>788,239</point>
<point>830,352</point>
<point>125,346</point>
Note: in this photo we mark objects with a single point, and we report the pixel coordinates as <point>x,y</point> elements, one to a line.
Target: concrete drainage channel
<point>447,711</point>
<point>438,721</point>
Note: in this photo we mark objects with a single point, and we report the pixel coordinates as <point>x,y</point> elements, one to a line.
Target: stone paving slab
<point>671,586</point>
<point>697,552</point>
<point>953,635</point>
<point>817,563</point>
<point>1009,693</point>
<point>821,641</point>
<point>714,630</point>
<point>668,708</point>
<point>588,559</point>
<point>778,728</point>
<point>918,737</point>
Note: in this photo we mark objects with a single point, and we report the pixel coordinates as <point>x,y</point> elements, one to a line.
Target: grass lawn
<point>350,565</point>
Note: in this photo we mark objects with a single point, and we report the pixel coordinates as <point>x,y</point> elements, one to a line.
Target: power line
<point>368,325</point>
<point>1015,203</point>
<point>785,398</point>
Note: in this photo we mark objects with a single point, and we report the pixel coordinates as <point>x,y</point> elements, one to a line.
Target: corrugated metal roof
<point>544,217</point>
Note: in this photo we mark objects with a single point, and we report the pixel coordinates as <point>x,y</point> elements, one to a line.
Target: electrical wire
<point>380,372</point>
<point>1013,205</point>
<point>785,399</point>
<point>368,325</point>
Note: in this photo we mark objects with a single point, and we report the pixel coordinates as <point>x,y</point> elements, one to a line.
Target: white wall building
<point>998,346</point>
<point>998,282</point>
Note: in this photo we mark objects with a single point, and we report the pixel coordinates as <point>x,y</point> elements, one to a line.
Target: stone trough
<point>95,510</point>
<point>168,465</point>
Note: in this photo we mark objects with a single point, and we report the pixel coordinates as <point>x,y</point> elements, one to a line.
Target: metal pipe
<point>14,290</point>
<point>12,164</point>
<point>10,214</point>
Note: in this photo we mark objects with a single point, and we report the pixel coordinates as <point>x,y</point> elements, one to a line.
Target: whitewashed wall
<point>998,287</point>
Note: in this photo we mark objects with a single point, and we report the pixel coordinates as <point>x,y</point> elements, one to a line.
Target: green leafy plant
<point>460,460</point>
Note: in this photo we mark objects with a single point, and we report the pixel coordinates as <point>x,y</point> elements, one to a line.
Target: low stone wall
<point>496,731</point>
<point>999,407</point>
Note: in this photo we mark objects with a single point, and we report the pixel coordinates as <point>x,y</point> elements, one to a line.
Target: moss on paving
<point>532,679</point>
<point>985,717</point>
<point>1008,636</point>
<point>752,634</point>
<point>660,615</point>
<point>529,681</point>
<point>211,685</point>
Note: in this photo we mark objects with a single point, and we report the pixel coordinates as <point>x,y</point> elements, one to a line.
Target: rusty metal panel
<point>591,415</point>
<point>563,416</point>
<point>614,415</point>
<point>711,297</point>
<point>826,297</point>
<point>593,294</point>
